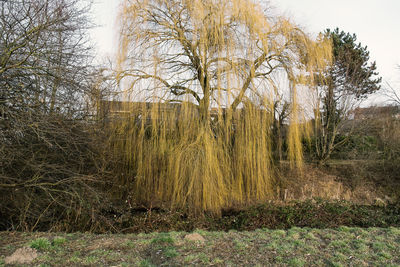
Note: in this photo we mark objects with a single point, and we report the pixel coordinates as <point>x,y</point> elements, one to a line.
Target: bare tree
<point>45,57</point>
<point>392,93</point>
<point>47,159</point>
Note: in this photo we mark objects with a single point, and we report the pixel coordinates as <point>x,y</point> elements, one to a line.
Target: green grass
<point>344,246</point>
<point>59,241</point>
<point>91,259</point>
<point>40,244</point>
<point>296,262</point>
<point>163,238</point>
<point>170,252</point>
<point>145,263</point>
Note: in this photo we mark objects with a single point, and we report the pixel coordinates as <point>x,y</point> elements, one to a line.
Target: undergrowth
<point>314,213</point>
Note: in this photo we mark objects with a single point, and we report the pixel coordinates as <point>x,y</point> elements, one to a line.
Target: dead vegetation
<point>49,173</point>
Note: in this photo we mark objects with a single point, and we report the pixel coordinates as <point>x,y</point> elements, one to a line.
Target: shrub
<point>48,174</point>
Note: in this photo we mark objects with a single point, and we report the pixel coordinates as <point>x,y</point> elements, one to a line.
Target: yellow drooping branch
<point>201,70</point>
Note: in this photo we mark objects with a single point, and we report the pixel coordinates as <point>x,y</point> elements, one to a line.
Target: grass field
<point>343,246</point>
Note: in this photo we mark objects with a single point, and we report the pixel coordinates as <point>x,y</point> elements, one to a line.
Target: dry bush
<point>390,137</point>
<point>49,161</point>
<point>347,181</point>
<point>49,173</point>
<point>367,179</point>
<point>376,133</point>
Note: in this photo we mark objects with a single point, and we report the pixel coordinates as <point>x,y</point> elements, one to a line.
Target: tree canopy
<point>44,55</point>
<point>214,53</point>
<point>351,71</point>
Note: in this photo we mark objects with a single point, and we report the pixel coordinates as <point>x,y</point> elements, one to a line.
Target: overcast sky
<point>105,34</point>
<point>375,22</point>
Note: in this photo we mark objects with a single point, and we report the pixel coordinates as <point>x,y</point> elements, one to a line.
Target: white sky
<point>105,36</point>
<point>375,22</point>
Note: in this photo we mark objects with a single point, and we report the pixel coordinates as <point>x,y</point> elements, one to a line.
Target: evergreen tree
<point>347,81</point>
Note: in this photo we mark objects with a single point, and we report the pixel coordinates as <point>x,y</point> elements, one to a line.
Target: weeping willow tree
<point>197,83</point>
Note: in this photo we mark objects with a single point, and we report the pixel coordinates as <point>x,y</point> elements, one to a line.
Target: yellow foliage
<point>213,59</point>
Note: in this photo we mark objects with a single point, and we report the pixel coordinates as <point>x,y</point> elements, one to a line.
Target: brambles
<point>48,173</point>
